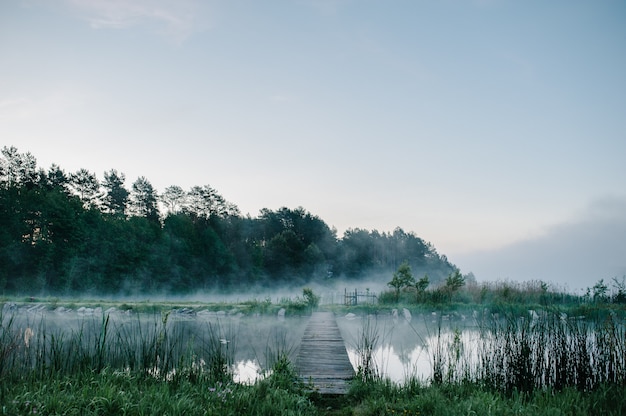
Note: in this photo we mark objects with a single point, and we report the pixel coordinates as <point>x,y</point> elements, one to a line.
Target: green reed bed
<point>131,365</point>
<point>536,351</point>
<point>538,364</point>
<point>150,346</point>
<point>365,346</point>
<point>546,364</point>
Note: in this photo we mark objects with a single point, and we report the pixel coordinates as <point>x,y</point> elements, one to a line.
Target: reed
<point>150,347</point>
<point>538,351</point>
<point>532,364</point>
<point>278,350</point>
<point>136,365</point>
<point>365,347</point>
<point>104,364</point>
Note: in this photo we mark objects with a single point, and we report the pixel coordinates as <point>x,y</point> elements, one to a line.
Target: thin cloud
<point>485,3</point>
<point>281,98</point>
<point>177,19</point>
<point>30,108</point>
<point>574,254</point>
<point>326,7</point>
<point>14,109</point>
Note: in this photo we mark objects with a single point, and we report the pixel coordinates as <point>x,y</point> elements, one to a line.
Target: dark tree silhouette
<point>60,234</point>
<point>116,198</point>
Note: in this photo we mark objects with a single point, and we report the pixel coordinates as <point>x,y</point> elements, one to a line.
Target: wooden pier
<point>322,357</point>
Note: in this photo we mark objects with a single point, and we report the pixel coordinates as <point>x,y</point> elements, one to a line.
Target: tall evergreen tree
<point>17,169</point>
<point>205,201</point>
<point>173,198</point>
<point>54,239</point>
<point>86,186</point>
<point>55,178</point>
<point>116,198</point>
<point>144,199</point>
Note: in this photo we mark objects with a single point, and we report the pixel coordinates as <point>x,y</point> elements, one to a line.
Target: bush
<point>310,298</point>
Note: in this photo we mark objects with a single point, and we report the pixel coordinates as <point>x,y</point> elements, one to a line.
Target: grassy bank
<point>385,398</point>
<point>247,305</point>
<point>114,393</point>
<point>548,365</point>
<point>136,365</point>
<point>109,392</point>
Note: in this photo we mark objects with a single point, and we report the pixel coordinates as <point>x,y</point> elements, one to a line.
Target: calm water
<point>252,341</point>
<point>404,348</point>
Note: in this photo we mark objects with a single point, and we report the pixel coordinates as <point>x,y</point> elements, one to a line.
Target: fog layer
<point>574,254</point>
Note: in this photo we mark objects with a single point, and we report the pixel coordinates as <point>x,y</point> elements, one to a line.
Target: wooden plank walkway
<point>322,356</point>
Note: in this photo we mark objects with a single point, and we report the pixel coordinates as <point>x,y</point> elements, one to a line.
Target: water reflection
<point>252,343</point>
<point>248,371</point>
<point>406,345</point>
<point>397,365</point>
<point>516,351</point>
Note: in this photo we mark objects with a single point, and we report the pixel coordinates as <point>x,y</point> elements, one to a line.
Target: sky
<point>494,129</point>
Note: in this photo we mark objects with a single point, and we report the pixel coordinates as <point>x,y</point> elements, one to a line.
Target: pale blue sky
<point>478,124</point>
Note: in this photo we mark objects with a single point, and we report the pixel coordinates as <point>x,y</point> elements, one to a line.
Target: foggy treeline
<point>72,232</point>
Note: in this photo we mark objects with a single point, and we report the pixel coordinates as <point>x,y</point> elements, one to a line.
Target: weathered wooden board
<point>322,357</point>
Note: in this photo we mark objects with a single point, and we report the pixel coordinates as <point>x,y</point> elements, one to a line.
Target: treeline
<point>73,233</point>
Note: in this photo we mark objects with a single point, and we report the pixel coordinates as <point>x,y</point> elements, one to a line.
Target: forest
<point>71,232</point>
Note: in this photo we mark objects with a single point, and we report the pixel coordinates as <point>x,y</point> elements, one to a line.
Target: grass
<point>137,366</point>
<point>385,398</point>
<point>506,295</point>
<point>116,393</point>
<point>110,393</point>
<point>549,365</point>
<point>367,342</point>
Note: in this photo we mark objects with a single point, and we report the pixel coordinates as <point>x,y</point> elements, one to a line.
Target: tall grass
<point>542,363</point>
<point>146,346</point>
<point>365,346</point>
<point>133,365</point>
<point>513,353</point>
<point>154,365</point>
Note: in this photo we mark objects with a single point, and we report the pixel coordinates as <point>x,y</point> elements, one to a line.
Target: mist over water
<point>253,342</point>
<point>331,292</point>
